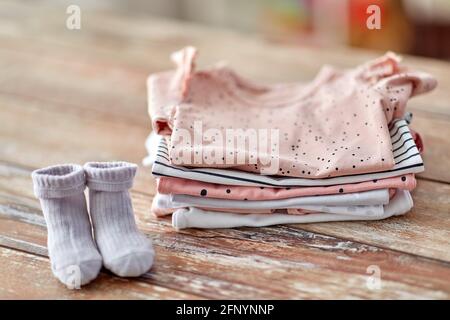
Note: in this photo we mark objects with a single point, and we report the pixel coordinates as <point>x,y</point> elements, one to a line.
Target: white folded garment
<point>196,218</point>
<point>165,202</point>
<point>151,144</point>
<point>366,198</point>
<point>406,155</point>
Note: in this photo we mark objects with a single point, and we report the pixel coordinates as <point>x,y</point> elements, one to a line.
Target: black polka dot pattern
<point>322,134</point>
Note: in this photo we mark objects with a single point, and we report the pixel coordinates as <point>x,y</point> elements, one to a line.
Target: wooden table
<point>75,96</point>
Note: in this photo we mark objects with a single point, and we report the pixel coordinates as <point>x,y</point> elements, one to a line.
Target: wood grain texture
<point>424,231</point>
<point>281,262</point>
<point>301,261</point>
<point>27,276</point>
<point>80,96</point>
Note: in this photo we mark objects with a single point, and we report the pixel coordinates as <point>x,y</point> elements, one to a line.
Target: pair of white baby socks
<point>77,254</point>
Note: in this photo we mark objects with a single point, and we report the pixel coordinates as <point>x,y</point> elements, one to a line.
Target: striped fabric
<point>406,155</point>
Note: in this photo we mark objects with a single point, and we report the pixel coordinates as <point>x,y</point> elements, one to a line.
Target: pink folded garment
<point>168,185</point>
<point>335,125</point>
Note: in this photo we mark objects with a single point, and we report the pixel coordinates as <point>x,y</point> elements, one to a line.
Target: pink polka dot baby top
<point>335,125</point>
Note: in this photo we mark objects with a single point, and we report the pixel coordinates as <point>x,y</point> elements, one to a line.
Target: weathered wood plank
<point>99,83</point>
<point>81,95</point>
<point>92,88</point>
<point>113,77</point>
<point>71,136</point>
<point>435,131</point>
<point>277,262</point>
<point>33,280</point>
<point>270,250</point>
<point>33,136</point>
<point>424,231</point>
<point>116,94</point>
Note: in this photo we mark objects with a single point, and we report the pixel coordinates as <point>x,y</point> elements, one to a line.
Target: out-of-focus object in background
<point>431,20</point>
<point>394,34</point>
<point>310,22</point>
<point>420,27</point>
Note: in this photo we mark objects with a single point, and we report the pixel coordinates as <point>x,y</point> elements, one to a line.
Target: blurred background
<point>418,27</point>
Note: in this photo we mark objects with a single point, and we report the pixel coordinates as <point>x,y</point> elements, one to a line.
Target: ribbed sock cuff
<point>110,176</point>
<point>58,181</point>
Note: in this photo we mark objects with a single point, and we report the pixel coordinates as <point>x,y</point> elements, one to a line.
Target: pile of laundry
<point>227,152</point>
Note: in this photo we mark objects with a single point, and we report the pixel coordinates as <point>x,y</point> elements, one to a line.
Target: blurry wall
<point>419,27</point>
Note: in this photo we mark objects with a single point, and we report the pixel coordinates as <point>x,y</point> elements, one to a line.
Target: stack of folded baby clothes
<point>228,153</point>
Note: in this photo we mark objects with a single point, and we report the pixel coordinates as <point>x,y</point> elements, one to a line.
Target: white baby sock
<point>125,251</point>
<point>74,257</point>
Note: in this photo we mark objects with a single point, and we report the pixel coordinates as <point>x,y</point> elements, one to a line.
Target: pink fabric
<point>168,185</point>
<point>335,125</point>
<point>167,89</point>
